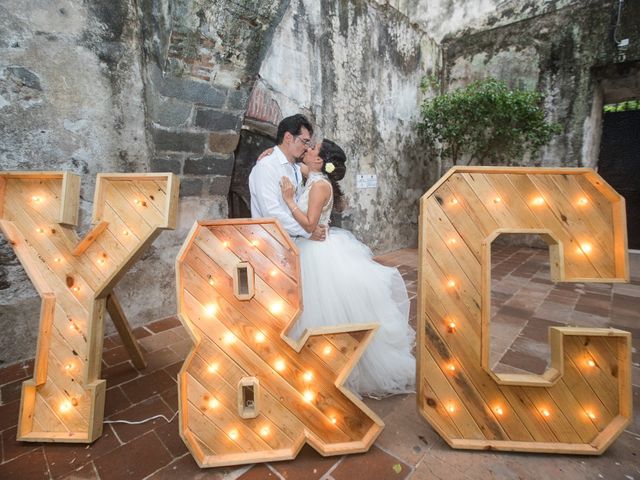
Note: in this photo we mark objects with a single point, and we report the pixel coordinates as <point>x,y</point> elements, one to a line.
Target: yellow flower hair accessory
<point>329,167</point>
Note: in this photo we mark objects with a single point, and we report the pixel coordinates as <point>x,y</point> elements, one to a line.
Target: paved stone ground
<point>525,303</point>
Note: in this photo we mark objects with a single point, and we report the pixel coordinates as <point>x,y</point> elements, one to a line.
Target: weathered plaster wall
<point>70,99</point>
<point>557,48</point>
<point>163,85</point>
<point>355,68</point>
<point>442,17</point>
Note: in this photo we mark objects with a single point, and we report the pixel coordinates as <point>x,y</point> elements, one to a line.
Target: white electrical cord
<point>138,422</point>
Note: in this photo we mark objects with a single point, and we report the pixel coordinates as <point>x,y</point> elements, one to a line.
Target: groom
<point>293,139</point>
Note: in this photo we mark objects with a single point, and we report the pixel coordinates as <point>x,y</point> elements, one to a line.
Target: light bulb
<point>497,200</point>
<point>213,367</point>
<point>586,247</point>
<point>264,431</point>
<point>591,363</point>
<point>68,367</point>
<point>327,350</point>
<point>36,199</point>
<point>451,408</point>
<point>229,338</point>
<point>225,244</point>
<point>545,412</point>
<point>333,420</point>
<point>273,272</point>
<point>255,243</point>
<point>591,415</point>
<point>309,396</point>
<point>453,201</point>
<point>537,201</point>
<point>498,410</point>
<point>125,232</point>
<point>308,376</point>
<point>451,367</point>
<point>582,201</point>
<point>75,289</point>
<point>451,283</point>
<point>452,241</point>
<point>276,308</point>
<point>279,365</point>
<point>65,406</point>
<point>40,230</point>
<point>211,309</point>
<point>213,403</point>
<point>233,434</point>
<point>101,261</point>
<point>260,337</point>
<point>210,280</point>
<point>57,260</point>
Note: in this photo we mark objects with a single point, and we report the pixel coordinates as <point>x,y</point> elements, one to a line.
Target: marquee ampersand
<point>247,392</point>
<point>64,402</point>
<point>583,401</point>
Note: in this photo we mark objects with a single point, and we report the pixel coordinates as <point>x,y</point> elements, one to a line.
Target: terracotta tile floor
<point>525,303</point>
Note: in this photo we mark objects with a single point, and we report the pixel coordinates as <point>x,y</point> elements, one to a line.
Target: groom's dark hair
<point>293,125</point>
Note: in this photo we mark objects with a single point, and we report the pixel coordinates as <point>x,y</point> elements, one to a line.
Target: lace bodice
<point>303,201</point>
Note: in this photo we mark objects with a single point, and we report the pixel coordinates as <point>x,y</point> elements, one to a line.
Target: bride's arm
<point>318,196</point>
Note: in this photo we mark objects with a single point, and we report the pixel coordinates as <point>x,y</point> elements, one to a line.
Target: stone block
<point>219,185</point>
<point>190,187</point>
<point>172,164</point>
<point>218,120</point>
<point>209,165</point>
<point>237,99</point>
<point>179,141</point>
<point>169,112</point>
<point>188,90</point>
<point>25,77</point>
<point>224,142</point>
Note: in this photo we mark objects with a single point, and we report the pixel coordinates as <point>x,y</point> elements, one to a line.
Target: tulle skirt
<point>341,284</point>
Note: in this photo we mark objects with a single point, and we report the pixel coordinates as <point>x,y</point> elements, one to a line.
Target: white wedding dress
<point>341,284</point>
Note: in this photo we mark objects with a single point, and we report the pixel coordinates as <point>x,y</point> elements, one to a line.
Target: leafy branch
<point>486,123</point>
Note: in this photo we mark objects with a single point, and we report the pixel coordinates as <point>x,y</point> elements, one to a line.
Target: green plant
<point>486,123</point>
<point>627,106</point>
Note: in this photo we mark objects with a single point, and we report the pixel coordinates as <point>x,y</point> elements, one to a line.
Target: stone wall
<point>564,49</point>
<point>163,85</point>
<point>71,98</point>
<point>355,68</point>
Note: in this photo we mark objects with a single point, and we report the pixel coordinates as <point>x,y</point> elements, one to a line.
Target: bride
<point>342,284</point>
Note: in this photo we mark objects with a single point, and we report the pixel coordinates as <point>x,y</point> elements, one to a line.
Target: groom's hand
<point>319,234</point>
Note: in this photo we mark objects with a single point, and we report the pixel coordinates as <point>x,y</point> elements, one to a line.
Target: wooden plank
<point>581,229</point>
<point>70,199</point>
<point>124,331</point>
<point>273,382</point>
<point>229,373</point>
<point>574,267</point>
<point>549,414</point>
<point>273,346</point>
<point>89,238</point>
<point>286,288</point>
<point>67,368</point>
<point>453,415</point>
<point>271,249</point>
<point>602,383</point>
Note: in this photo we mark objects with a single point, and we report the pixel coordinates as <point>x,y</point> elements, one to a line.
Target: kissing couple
<point>341,283</point>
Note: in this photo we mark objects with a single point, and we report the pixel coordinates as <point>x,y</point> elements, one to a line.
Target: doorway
<point>619,160</point>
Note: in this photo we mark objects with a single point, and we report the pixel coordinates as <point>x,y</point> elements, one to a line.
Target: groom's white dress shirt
<point>266,196</point>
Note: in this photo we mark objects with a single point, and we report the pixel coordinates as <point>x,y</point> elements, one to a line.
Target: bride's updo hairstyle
<point>331,153</point>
